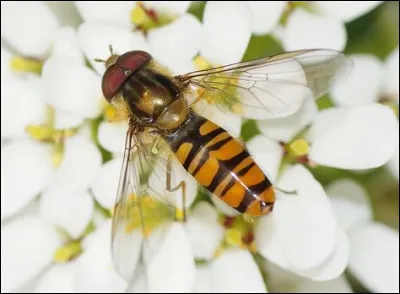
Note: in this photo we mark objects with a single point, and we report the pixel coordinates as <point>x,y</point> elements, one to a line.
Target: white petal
<point>105,184</point>
<point>66,45</point>
<point>96,36</point>
<point>364,137</point>
<point>229,121</point>
<point>226,31</point>
<point>324,122</point>
<point>5,63</point>
<point>112,136</point>
<point>203,279</point>
<point>223,207</point>
<point>393,165</point>
<point>26,169</point>
<point>176,41</point>
<point>375,257</point>
<point>311,209</point>
<point>391,77</point>
<point>27,247</point>
<point>94,271</point>
<point>59,278</point>
<point>173,7</point>
<point>16,95</point>
<point>336,264</point>
<point>339,285</point>
<point>173,268</point>
<point>265,15</point>
<point>157,182</point>
<point>229,269</point>
<point>285,129</point>
<point>309,31</point>
<point>362,84</point>
<point>72,87</point>
<point>267,153</point>
<point>280,279</point>
<point>204,231</point>
<point>34,35</point>
<point>350,202</point>
<point>69,210</point>
<point>348,12</point>
<point>118,11</point>
<point>66,120</point>
<point>65,12</point>
<point>268,243</point>
<point>80,164</point>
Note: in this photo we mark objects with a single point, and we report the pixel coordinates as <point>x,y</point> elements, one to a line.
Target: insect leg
<point>293,192</point>
<point>182,185</point>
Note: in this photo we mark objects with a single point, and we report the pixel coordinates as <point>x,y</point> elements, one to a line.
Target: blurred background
<point>46,101</point>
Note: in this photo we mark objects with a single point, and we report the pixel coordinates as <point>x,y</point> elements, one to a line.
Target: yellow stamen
<point>179,214</point>
<point>252,247</point>
<point>56,158</point>
<point>201,63</point>
<point>233,237</point>
<point>299,147</point>
<point>21,64</point>
<point>67,252</point>
<point>138,15</point>
<point>237,108</point>
<point>218,251</point>
<point>39,132</point>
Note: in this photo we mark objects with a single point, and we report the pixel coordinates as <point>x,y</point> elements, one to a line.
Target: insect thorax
<point>154,99</point>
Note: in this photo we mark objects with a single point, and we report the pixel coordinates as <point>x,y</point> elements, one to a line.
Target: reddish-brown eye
<point>116,74</point>
<point>133,60</point>
<point>113,79</point>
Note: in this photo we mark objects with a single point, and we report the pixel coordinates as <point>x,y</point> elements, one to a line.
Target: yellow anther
<point>39,132</point>
<point>148,202</point>
<point>237,108</point>
<point>299,147</point>
<point>132,197</point>
<point>21,64</point>
<point>138,15</point>
<point>56,158</point>
<point>252,247</point>
<point>201,63</point>
<point>67,252</point>
<point>218,251</point>
<point>179,214</point>
<point>110,113</point>
<point>233,237</point>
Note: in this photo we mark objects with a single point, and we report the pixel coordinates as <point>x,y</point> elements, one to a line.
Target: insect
<point>164,126</point>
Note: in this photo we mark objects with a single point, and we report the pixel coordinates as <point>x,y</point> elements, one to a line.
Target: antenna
<point>110,48</point>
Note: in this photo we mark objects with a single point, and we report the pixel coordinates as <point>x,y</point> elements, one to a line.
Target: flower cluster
<point>61,152</point>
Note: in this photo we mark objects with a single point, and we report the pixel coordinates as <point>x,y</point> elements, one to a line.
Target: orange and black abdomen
<point>222,165</point>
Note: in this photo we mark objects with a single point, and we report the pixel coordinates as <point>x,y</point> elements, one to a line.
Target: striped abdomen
<point>222,165</point>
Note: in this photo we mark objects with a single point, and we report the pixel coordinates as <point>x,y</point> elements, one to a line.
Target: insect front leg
<point>180,215</point>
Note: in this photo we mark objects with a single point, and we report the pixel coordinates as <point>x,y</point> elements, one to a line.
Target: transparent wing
<point>141,217</point>
<point>273,86</point>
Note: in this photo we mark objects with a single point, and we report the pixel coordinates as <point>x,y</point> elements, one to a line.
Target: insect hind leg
<point>180,214</point>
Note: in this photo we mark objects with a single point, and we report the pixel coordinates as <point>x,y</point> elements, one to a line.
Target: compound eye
<point>134,60</point>
<point>113,79</point>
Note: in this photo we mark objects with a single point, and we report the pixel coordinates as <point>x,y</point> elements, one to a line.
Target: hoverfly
<point>165,126</point>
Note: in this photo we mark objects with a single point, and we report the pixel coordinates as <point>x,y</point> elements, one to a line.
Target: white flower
<point>374,259</point>
<point>348,12</point>
<point>54,118</point>
<point>305,30</point>
<point>23,35</point>
<point>29,241</point>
